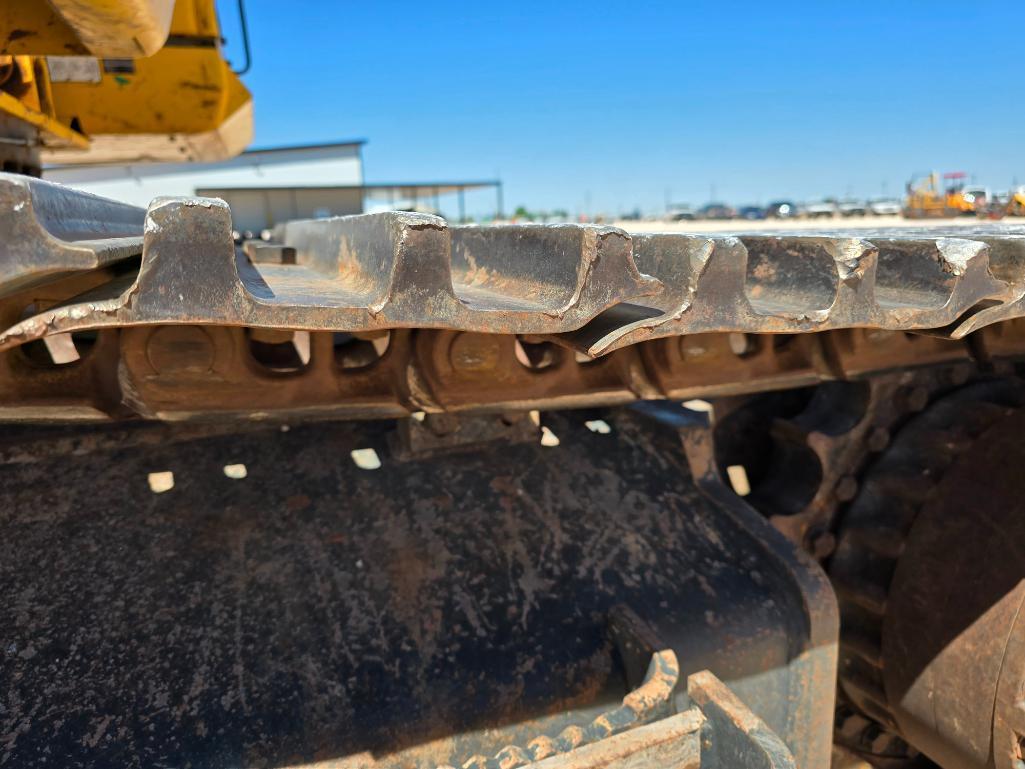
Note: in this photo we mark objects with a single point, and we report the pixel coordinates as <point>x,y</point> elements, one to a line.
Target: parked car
<point>717,211</point>
<point>884,207</point>
<point>781,209</point>
<point>977,197</point>
<point>751,213</point>
<point>852,207</point>
<point>821,209</point>
<point>680,213</point>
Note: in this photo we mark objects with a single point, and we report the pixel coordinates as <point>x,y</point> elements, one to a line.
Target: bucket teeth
<point>592,288</point>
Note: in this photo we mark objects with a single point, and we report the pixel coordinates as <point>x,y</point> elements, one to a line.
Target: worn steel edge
<point>650,700</point>
<point>591,288</point>
<point>365,272</point>
<point>816,666</point>
<point>49,230</point>
<point>717,732</point>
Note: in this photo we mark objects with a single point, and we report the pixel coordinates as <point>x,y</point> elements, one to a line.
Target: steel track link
<point>162,313</point>
<point>593,288</point>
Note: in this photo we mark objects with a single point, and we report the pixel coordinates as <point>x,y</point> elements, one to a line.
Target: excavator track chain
<point>472,316</point>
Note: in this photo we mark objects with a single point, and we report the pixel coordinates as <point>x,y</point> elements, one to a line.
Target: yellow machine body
<point>113,28</point>
<point>99,81</point>
<point>1016,203</point>
<point>933,197</point>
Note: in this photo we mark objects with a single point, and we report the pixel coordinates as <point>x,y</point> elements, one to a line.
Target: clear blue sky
<point>616,103</point>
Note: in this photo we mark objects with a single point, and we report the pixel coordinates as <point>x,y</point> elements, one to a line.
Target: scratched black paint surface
<point>314,610</point>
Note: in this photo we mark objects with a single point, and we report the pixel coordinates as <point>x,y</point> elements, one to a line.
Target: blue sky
<point>609,106</point>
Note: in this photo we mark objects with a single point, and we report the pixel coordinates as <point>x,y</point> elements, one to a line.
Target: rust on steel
<point>648,701</point>
<point>797,283</point>
<point>903,548</point>
<point>589,287</point>
<point>358,273</point>
<point>170,318</point>
<point>673,741</point>
<point>176,372</point>
<point>738,737</point>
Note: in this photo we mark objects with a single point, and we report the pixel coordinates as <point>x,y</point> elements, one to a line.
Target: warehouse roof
<point>375,191</point>
<point>257,156</point>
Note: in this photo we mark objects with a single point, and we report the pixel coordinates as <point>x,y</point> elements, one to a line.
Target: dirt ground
<point>810,225</point>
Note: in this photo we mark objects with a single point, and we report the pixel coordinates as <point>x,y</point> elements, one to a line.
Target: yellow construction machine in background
<point>1016,202</point>
<point>96,81</point>
<point>935,196</point>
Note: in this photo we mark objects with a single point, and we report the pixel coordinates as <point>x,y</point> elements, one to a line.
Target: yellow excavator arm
<point>125,28</point>
<point>97,81</point>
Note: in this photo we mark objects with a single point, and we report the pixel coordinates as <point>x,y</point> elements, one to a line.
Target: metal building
<point>271,185</point>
